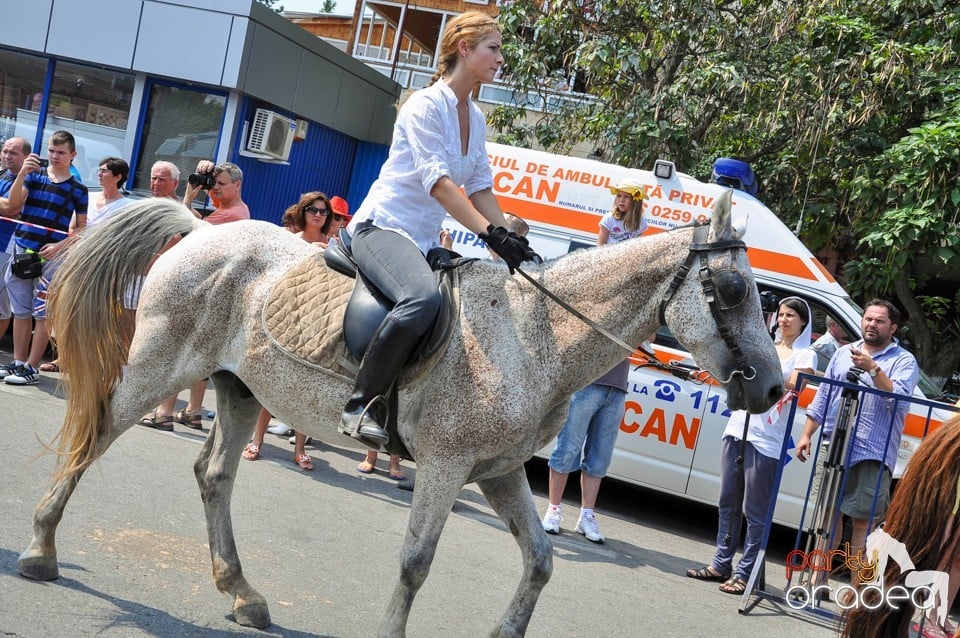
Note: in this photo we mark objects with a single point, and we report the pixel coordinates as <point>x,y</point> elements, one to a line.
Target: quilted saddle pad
<point>303,315</point>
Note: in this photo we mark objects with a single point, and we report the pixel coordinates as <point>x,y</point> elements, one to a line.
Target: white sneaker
<point>25,374</point>
<point>9,369</point>
<point>551,521</point>
<point>280,429</point>
<point>588,526</point>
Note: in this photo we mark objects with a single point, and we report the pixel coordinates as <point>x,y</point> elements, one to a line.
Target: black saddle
<point>368,307</point>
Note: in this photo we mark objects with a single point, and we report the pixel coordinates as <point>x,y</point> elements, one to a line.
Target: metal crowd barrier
<point>818,530</point>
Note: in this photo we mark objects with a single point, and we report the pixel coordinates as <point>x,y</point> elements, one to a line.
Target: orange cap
<point>340,206</point>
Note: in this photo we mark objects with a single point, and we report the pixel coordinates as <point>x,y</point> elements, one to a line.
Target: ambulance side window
<point>827,331</point>
<point>829,334</point>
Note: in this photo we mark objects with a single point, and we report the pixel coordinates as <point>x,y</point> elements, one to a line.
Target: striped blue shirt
<point>880,422</point>
<point>49,204</point>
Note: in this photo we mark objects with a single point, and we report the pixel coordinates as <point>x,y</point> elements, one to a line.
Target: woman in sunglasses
<point>316,220</point>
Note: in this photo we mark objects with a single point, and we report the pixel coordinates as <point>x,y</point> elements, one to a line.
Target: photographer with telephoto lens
<point>223,182</point>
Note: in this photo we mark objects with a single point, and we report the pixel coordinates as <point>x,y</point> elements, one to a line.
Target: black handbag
<point>27,265</point>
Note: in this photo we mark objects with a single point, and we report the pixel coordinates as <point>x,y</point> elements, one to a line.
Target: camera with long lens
<point>206,181</point>
<point>769,301</point>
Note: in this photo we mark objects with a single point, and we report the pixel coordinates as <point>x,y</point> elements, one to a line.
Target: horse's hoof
<point>36,567</point>
<point>255,615</point>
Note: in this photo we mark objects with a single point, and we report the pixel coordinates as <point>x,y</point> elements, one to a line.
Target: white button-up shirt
<point>426,147</point>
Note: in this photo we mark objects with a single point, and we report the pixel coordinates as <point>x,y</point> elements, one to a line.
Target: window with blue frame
<point>182,126</point>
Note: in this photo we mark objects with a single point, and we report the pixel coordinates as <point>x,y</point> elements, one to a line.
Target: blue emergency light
<point>735,174</point>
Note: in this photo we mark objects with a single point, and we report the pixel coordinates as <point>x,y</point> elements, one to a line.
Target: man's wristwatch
<point>873,372</point>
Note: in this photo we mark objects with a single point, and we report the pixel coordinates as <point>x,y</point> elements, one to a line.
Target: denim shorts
<point>28,297</point>
<point>587,438</point>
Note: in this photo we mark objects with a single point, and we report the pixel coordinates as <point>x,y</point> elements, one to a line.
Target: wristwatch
<point>873,372</point>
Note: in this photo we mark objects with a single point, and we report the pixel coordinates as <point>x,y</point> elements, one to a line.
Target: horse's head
<point>731,341</point>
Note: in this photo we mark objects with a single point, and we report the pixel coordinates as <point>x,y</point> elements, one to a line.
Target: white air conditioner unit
<point>271,134</point>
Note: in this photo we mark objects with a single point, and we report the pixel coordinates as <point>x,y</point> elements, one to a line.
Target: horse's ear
<point>720,226</point>
<point>740,226</point>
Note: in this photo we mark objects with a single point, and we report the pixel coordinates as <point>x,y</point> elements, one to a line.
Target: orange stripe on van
<point>555,215</point>
<point>824,271</point>
<point>589,223</point>
<point>914,425</point>
<point>778,262</point>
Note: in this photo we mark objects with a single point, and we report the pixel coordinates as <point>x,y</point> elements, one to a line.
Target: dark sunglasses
<point>313,210</point>
<point>339,217</point>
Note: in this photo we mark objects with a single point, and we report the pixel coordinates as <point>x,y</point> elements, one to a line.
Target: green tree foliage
<point>272,4</point>
<point>846,109</point>
<point>329,6</point>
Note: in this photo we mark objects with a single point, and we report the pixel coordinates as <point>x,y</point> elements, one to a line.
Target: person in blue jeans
<point>750,495</point>
<point>586,443</point>
<point>587,438</point>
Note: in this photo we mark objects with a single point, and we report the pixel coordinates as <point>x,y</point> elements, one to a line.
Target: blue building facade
<point>185,80</point>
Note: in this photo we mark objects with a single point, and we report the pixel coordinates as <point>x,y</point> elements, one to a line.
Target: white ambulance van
<point>670,434</point>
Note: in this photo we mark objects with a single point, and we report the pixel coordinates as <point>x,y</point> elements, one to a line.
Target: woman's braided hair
<point>471,26</point>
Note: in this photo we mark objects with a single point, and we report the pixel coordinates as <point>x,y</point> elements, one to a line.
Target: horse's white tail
<point>85,310</point>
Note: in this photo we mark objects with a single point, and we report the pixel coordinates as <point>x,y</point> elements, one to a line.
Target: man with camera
<point>878,361</point>
<point>223,182</point>
<point>14,151</point>
<point>50,196</point>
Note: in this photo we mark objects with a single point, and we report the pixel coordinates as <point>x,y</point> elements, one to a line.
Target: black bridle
<point>723,289</point>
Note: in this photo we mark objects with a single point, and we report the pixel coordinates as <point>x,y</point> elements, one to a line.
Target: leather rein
<point>720,288</point>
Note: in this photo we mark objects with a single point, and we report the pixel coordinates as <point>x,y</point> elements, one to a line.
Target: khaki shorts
<point>860,488</point>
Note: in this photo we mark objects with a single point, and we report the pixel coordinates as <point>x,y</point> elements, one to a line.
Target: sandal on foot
<point>162,423</point>
<point>53,366</point>
<point>251,452</point>
<point>304,461</point>
<point>705,573</point>
<point>366,468</point>
<point>735,585</point>
<point>397,475</point>
<point>192,421</point>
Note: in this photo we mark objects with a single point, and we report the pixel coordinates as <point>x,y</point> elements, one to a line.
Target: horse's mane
<point>922,516</point>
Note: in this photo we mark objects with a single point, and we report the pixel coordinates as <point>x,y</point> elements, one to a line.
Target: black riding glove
<point>512,249</point>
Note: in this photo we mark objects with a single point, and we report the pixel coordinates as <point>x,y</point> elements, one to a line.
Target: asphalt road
<point>323,548</point>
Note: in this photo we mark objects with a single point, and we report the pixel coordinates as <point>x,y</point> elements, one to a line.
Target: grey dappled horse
<point>498,393</point>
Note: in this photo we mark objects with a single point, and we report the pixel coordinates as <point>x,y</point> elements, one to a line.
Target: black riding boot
<point>367,411</point>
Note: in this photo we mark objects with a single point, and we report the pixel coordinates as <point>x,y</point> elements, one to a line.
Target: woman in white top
<point>438,147</point>
<point>112,174</point>
<point>761,456</point>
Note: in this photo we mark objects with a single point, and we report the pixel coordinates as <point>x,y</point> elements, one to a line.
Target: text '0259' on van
<point>670,433</point>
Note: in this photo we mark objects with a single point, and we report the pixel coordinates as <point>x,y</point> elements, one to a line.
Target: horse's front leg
<point>216,471</point>
<point>437,487</point>
<point>510,497</point>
